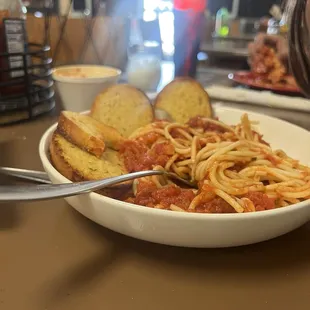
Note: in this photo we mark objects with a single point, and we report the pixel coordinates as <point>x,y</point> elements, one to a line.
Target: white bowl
<point>78,93</point>
<point>198,230</point>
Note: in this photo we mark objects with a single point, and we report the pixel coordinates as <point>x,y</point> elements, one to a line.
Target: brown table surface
<point>51,257</point>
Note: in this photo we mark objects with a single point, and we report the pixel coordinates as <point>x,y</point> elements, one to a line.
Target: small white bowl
<point>191,229</point>
<point>79,85</point>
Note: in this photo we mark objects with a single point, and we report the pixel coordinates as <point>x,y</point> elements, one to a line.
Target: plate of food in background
<point>267,72</point>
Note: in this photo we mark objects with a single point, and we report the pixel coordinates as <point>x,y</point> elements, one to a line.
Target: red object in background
<point>188,23</point>
<point>252,80</point>
<point>196,5</point>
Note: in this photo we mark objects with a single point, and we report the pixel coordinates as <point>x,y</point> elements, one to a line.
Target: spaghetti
<point>235,169</point>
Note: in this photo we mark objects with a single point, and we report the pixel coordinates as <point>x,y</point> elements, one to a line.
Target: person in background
<point>188,25</point>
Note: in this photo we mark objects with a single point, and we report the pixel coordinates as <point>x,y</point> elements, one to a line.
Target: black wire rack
<point>29,93</point>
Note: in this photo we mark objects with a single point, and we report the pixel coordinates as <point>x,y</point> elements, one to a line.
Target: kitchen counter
<point>224,49</point>
<point>53,258</point>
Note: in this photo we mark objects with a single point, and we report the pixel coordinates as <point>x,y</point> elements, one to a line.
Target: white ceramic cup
<point>79,85</point>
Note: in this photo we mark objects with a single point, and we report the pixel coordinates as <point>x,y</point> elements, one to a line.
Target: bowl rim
<point>86,80</point>
<point>167,213</point>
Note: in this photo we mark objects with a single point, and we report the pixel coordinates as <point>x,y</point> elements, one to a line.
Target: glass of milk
<point>144,71</point>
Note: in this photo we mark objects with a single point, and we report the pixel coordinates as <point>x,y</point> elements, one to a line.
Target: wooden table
<point>52,258</point>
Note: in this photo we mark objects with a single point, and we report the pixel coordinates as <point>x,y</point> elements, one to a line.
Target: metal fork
<point>32,175</point>
<point>43,192</point>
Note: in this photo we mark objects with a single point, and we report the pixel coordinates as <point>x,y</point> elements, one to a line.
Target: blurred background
<point>97,31</point>
<point>151,41</point>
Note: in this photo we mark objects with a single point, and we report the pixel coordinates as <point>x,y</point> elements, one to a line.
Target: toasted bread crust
<point>112,138</point>
<point>123,107</point>
<point>88,133</point>
<point>78,165</point>
<point>69,128</point>
<point>184,98</point>
<point>60,163</point>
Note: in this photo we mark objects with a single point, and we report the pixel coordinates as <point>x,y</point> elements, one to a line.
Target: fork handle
<point>32,175</point>
<point>16,193</point>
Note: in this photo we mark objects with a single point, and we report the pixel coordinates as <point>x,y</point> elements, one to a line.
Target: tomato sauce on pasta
<point>235,170</point>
